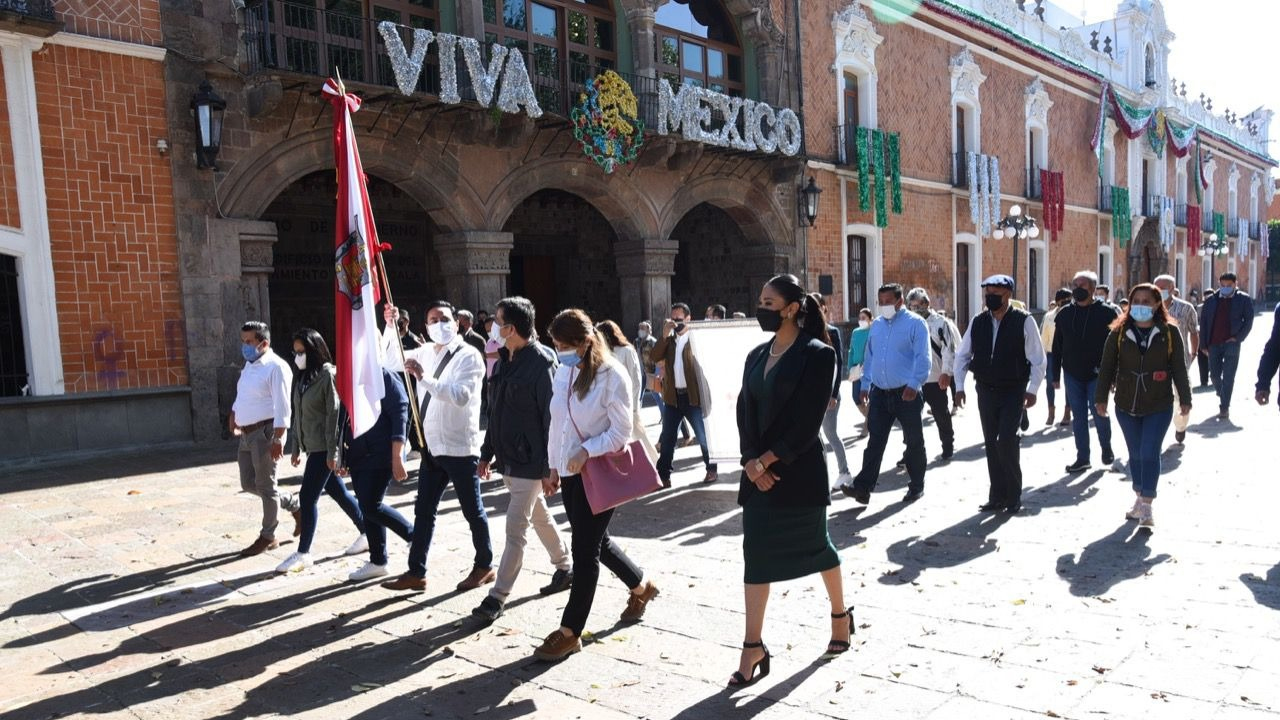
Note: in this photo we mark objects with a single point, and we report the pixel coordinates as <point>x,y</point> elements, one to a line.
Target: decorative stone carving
<point>1038,103</point>
<point>1003,11</point>
<point>1233,177</point>
<point>1072,44</point>
<point>966,78</point>
<point>856,39</point>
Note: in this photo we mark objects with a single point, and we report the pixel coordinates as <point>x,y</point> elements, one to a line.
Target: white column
<point>32,245</point>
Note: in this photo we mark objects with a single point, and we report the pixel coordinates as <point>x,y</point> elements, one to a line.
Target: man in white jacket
<point>944,338</point>
<point>449,373</point>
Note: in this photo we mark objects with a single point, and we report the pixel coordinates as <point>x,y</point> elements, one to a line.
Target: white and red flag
<point>357,346</point>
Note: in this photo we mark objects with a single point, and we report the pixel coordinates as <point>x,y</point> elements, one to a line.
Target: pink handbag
<point>616,478</point>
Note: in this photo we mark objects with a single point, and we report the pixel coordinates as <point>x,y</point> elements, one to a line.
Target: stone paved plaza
<point>123,597</point>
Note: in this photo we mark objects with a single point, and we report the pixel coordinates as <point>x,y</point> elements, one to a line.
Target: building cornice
<point>106,45</point>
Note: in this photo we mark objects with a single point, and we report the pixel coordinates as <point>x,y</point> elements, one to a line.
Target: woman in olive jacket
<point>1144,360</point>
<point>314,431</point>
<point>786,386</point>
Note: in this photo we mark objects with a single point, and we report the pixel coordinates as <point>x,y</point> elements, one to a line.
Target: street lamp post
<point>809,202</point>
<point>1213,247</point>
<point>1016,227</point>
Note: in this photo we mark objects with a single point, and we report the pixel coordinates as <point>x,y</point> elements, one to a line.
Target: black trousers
<point>1000,411</point>
<point>1202,364</point>
<point>938,402</point>
<point>591,546</point>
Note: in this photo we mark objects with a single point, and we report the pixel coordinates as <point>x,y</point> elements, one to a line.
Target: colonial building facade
<point>1021,86</point>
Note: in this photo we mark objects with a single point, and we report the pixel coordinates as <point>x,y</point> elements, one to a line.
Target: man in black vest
<point>1003,349</point>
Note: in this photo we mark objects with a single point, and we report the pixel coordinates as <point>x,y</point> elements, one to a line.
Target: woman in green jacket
<point>1144,360</point>
<point>857,351</point>
<point>314,431</point>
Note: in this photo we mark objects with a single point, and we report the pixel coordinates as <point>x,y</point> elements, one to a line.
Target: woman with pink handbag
<point>592,411</point>
<point>786,386</point>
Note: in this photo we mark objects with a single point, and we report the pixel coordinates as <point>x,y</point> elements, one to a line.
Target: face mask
<point>1100,298</point>
<point>569,358</point>
<point>1164,295</point>
<point>442,333</point>
<point>1079,294</point>
<point>994,302</point>
<point>920,310</point>
<point>770,320</point>
<point>300,359</point>
<point>644,334</point>
<point>1227,290</point>
<point>864,324</point>
<point>680,327</point>
<point>887,311</point>
<point>1141,313</point>
<point>495,333</point>
<point>250,352</point>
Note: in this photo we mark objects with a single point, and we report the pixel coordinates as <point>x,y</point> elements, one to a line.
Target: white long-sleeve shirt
<point>451,426</point>
<point>626,355</point>
<point>262,392</point>
<point>944,334</point>
<point>1031,345</point>
<point>604,416</point>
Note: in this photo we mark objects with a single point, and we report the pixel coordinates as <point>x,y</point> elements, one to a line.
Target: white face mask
<point>442,333</point>
<point>864,324</point>
<point>644,334</point>
<point>495,333</point>
<point>300,361</point>
<point>887,311</point>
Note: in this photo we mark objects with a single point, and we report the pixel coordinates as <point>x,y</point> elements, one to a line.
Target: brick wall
<point>111,220</point>
<point>136,21</point>
<point>8,181</point>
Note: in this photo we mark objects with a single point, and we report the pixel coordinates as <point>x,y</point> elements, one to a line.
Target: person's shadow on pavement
<point>1266,591</point>
<point>963,542</point>
<point>1108,561</point>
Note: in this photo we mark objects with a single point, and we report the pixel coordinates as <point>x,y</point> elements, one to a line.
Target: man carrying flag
<point>376,405</point>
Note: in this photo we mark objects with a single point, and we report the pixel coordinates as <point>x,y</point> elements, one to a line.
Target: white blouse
<point>604,416</point>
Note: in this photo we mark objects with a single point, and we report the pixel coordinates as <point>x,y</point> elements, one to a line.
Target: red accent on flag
<point>1193,229</point>
<point>1053,195</point>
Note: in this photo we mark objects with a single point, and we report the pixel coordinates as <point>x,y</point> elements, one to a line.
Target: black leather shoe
<point>902,463</point>
<point>990,506</point>
<point>490,609</point>
<point>1078,466</point>
<point>913,495</point>
<point>1014,508</point>
<point>862,495</point>
<point>561,580</point>
<point>1108,457</point>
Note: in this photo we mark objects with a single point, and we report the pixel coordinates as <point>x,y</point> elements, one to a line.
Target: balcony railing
<point>1180,215</point>
<point>1233,227</point>
<point>1104,198</point>
<point>29,17</point>
<point>289,37</point>
<point>1206,221</point>
<point>34,9</point>
<point>846,144</point>
<point>1151,205</point>
<point>1255,230</point>
<point>960,170</point>
<point>1034,191</point>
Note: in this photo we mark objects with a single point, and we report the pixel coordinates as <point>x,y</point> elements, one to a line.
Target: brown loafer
<point>406,582</point>
<point>260,546</point>
<point>636,603</point>
<point>557,647</point>
<point>297,522</point>
<point>478,577</point>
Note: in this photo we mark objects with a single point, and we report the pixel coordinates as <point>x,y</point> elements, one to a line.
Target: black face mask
<point>770,320</point>
<point>680,327</point>
<point>994,302</point>
<point>1079,294</point>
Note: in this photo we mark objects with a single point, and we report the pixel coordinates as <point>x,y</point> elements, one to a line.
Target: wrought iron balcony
<point>846,144</point>
<point>29,17</point>
<point>1034,191</point>
<point>1104,198</point>
<point>288,37</point>
<point>1233,227</point>
<point>1151,206</point>
<point>1180,215</point>
<point>1255,230</point>
<point>1206,221</point>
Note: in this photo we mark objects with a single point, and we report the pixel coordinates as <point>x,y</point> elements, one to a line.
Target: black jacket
<point>838,344</point>
<point>372,450</point>
<point>801,390</point>
<point>1079,338</point>
<point>520,412</point>
<point>1270,355</point>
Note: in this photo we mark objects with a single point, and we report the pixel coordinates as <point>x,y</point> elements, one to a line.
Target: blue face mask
<point>250,352</point>
<point>1226,290</point>
<point>570,358</point>
<point>1141,313</point>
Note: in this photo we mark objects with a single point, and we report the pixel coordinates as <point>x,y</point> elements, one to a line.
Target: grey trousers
<point>258,477</point>
<point>832,434</point>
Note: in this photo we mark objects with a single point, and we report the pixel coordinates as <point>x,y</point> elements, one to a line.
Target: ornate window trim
<point>856,41</point>
<point>1037,106</point>
<point>1180,181</point>
<point>1254,183</point>
<point>966,81</point>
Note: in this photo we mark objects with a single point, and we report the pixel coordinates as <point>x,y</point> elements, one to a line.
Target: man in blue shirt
<point>895,367</point>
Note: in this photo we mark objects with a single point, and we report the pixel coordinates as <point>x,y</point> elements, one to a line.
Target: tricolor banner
<point>357,346</point>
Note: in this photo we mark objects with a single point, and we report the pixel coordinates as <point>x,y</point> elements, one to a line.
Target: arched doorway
<point>714,265</point>
<point>562,256</point>
<point>301,285</point>
<point>1147,257</point>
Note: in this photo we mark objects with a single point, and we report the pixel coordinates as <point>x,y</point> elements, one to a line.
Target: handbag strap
<point>568,404</point>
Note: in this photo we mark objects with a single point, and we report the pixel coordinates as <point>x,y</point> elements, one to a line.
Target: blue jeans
<point>884,407</point>
<point>1223,361</point>
<point>371,487</point>
<point>1080,400</point>
<point>1144,435</point>
<point>316,477</point>
<point>434,476</point>
<point>672,415</point>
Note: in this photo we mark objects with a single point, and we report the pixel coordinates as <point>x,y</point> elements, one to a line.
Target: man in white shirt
<point>681,396</point>
<point>449,373</point>
<point>259,417</point>
<point>944,338</point>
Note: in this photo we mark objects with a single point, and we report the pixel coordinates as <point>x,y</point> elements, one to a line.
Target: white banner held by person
<point>721,348</point>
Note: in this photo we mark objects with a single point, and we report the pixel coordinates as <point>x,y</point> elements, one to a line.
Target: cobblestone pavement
<point>123,597</point>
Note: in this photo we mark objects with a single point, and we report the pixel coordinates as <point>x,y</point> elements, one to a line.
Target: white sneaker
<point>1146,519</point>
<point>296,562</point>
<point>1135,512</point>
<point>359,546</point>
<point>368,571</point>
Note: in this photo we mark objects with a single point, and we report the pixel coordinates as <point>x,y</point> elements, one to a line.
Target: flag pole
<point>404,371</point>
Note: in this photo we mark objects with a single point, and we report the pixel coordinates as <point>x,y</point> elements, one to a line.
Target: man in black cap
<point>1003,349</point>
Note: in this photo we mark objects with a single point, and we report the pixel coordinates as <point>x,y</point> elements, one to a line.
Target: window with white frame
<point>966,113</point>
<point>967,274</point>
<point>856,76</point>
<point>1104,265</point>
<point>1180,184</point>
<point>1037,104</point>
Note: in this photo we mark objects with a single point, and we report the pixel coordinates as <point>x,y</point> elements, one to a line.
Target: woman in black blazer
<point>786,385</point>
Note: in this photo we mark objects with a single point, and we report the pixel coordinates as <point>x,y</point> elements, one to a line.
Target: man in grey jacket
<point>516,444</point>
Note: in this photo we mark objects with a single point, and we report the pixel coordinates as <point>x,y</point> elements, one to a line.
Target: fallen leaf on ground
<point>1019,601</point>
<point>135,492</point>
<point>1073,683</point>
<point>1051,713</point>
<point>1100,670</point>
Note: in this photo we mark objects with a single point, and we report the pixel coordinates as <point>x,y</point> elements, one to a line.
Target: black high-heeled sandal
<point>842,646</point>
<point>762,665</point>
